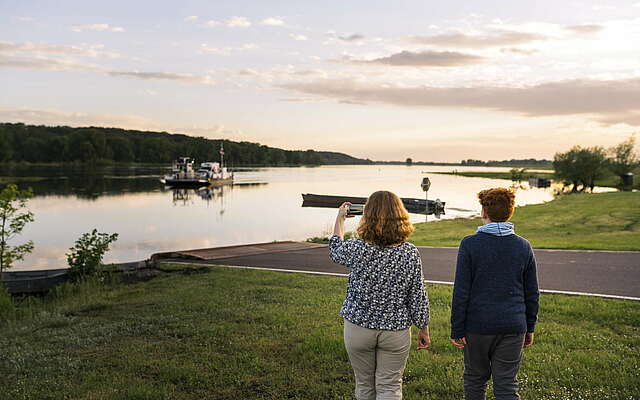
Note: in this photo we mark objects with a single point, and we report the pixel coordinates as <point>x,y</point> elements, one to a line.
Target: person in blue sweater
<point>495,300</point>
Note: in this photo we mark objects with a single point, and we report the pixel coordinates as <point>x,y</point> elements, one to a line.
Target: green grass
<point>604,221</point>
<point>247,334</point>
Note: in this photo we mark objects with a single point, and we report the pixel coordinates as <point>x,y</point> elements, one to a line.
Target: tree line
<point>507,163</point>
<point>60,144</point>
<point>580,167</point>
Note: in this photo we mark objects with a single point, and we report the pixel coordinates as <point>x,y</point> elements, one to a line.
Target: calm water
<point>263,205</point>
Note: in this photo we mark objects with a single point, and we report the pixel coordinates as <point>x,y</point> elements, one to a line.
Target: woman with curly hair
<point>385,295</point>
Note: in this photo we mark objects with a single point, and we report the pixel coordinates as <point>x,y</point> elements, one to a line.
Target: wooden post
<point>426,184</point>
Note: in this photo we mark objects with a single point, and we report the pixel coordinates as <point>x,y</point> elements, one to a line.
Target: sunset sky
<point>435,81</point>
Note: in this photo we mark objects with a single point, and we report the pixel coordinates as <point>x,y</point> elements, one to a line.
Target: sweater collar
<point>497,228</point>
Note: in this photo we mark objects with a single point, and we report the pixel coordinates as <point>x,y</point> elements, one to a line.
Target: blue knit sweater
<point>496,286</point>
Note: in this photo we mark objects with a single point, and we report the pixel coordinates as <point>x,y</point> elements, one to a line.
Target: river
<point>264,204</point>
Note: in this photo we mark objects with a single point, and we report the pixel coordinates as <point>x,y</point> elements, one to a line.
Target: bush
<point>86,255</point>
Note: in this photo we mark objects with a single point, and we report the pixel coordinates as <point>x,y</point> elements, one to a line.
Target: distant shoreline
<point>121,164</point>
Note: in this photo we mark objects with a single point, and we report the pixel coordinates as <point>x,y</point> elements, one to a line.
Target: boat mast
<point>221,155</point>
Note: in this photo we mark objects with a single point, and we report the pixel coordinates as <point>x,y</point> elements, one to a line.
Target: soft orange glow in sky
<point>378,80</point>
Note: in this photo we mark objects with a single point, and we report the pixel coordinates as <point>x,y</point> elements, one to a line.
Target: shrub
<point>86,255</point>
<point>13,218</point>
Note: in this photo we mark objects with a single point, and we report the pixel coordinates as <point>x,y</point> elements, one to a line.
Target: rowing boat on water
<point>415,206</point>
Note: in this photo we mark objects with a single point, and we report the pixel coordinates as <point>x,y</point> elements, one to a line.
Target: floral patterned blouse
<point>386,287</point>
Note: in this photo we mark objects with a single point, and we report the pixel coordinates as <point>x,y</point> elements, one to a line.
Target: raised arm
<point>338,227</point>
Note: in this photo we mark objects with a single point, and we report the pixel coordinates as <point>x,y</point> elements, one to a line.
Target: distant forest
<point>53,144</point>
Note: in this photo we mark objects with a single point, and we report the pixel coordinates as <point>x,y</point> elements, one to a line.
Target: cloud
<point>518,50</point>
<point>191,18</point>
<point>57,117</point>
<point>227,50</point>
<point>273,21</point>
<point>57,64</point>
<point>351,38</point>
<point>24,19</point>
<point>97,28</point>
<point>585,28</point>
<point>233,22</point>
<point>83,50</point>
<point>500,38</point>
<point>423,59</point>
<point>45,63</point>
<point>295,36</point>
<point>167,76</point>
<point>607,101</point>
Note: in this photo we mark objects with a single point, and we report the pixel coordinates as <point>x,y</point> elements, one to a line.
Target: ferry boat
<point>209,173</point>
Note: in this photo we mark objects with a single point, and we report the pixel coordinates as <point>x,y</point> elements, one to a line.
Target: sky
<point>434,81</point>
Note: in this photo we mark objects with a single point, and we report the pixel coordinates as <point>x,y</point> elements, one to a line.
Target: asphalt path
<point>591,272</point>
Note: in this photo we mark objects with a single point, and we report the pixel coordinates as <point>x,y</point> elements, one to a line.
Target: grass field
<point>604,221</point>
<point>246,334</point>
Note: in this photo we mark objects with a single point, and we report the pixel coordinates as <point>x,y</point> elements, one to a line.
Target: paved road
<point>600,272</point>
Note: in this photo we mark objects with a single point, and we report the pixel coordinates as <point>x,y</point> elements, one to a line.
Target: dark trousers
<point>492,356</point>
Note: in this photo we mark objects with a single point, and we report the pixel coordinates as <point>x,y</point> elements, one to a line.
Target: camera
<point>355,209</point>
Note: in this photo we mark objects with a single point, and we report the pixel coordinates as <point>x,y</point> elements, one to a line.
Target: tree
<point>517,173</point>
<point>86,255</point>
<point>580,166</point>
<point>13,219</point>
<point>409,161</point>
<point>623,158</point>
<point>121,149</point>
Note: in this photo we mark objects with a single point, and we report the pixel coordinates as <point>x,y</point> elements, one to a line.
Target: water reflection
<point>262,205</point>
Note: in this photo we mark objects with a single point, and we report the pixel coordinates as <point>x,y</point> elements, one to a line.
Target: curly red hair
<point>385,220</point>
<point>499,203</point>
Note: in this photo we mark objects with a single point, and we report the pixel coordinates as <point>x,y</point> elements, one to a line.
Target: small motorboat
<point>209,173</point>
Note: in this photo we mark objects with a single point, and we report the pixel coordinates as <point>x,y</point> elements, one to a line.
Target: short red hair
<point>498,203</point>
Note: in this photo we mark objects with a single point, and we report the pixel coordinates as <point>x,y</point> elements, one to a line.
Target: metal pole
<point>426,210</point>
<point>425,185</point>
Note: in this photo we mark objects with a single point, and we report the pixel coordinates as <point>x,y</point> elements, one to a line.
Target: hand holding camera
<point>343,210</point>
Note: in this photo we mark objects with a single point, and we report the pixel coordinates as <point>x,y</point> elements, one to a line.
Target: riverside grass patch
<point>250,334</point>
<point>602,221</point>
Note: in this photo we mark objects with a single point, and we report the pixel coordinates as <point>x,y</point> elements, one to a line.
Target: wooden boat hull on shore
<point>24,282</point>
<point>414,206</point>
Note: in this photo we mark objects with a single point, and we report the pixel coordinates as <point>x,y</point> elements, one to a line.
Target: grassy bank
<point>604,221</point>
<point>610,180</point>
<point>246,334</point>
<point>495,175</point>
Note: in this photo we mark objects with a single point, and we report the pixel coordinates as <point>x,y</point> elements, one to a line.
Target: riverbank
<point>609,180</point>
<point>178,336</point>
<point>602,221</point>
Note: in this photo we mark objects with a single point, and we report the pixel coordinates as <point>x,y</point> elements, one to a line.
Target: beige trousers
<point>378,358</point>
